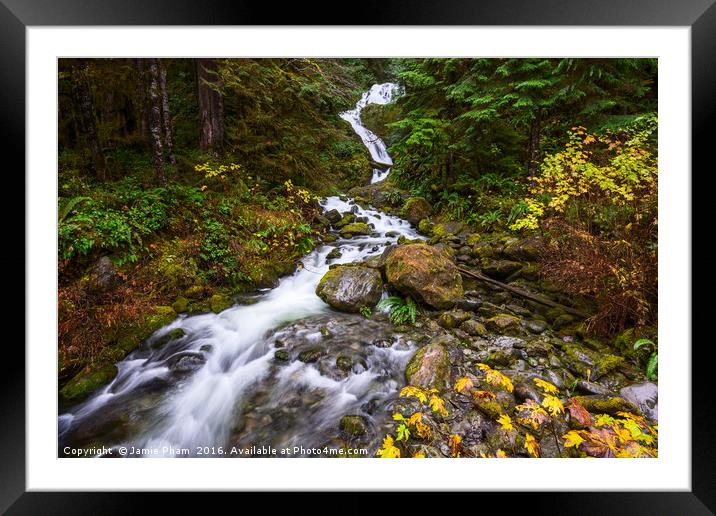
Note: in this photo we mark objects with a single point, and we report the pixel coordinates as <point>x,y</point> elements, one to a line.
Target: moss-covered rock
<point>346,219</point>
<point>425,226</point>
<point>501,269</point>
<point>180,305</point>
<point>425,273</point>
<point>176,333</point>
<point>348,288</point>
<point>281,355</point>
<point>474,328</point>
<point>429,367</point>
<point>601,404</point>
<point>415,209</point>
<point>344,362</point>
<point>453,318</point>
<point>311,355</point>
<point>87,381</point>
<point>354,425</point>
<point>503,323</point>
<point>357,228</point>
<point>526,249</point>
<point>472,239</point>
<point>219,303</point>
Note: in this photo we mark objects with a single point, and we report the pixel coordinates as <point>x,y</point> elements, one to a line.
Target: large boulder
<point>349,287</point>
<point>425,273</point>
<point>429,367</point>
<point>416,209</point>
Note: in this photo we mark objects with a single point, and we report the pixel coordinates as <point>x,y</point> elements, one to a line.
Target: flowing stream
<point>221,382</point>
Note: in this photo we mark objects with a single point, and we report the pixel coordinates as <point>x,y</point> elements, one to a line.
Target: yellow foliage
<point>531,445</point>
<point>463,383</point>
<point>438,405</point>
<point>553,405</point>
<point>547,387</point>
<point>534,415</point>
<point>415,392</point>
<point>572,438</point>
<point>388,450</point>
<point>496,378</point>
<point>506,423</point>
<point>455,445</point>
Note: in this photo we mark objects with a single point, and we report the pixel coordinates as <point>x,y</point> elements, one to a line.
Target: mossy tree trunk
<point>211,106</point>
<point>155,126</point>
<point>166,114</point>
<point>90,135</point>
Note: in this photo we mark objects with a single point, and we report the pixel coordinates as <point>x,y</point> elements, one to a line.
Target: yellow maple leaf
<point>438,405</point>
<point>415,392</point>
<point>531,445</point>
<point>454,443</point>
<point>388,450</point>
<point>572,438</point>
<point>422,430</point>
<point>496,378</point>
<point>415,418</point>
<point>484,395</point>
<point>463,383</point>
<point>553,405</point>
<point>419,455</point>
<point>506,423</point>
<point>545,386</point>
<point>500,454</point>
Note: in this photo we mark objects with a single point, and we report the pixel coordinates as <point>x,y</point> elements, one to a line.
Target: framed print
<point>440,234</point>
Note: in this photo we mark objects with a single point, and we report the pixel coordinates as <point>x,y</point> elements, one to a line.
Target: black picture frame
<point>16,15</point>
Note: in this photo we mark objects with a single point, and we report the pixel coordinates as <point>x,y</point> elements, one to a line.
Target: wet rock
<point>470,304</point>
<point>311,355</point>
<point>645,396</point>
<point>349,287</point>
<point>534,325</point>
<point>416,209</point>
<point>176,333</point>
<point>329,237</point>
<point>563,321</point>
<point>593,388</point>
<point>281,355</point>
<point>452,319</point>
<point>501,269</point>
<point>344,362</point>
<point>333,254</point>
<point>527,390</point>
<point>424,273</point>
<point>353,425</point>
<point>502,323</point>
<point>357,228</point>
<point>382,343</point>
<point>87,381</point>
<point>473,328</point>
<point>346,219</point>
<point>524,250</point>
<point>599,404</point>
<point>429,367</point>
<point>333,216</point>
<point>506,342</point>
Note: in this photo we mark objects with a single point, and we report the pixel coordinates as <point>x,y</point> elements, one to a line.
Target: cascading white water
<point>378,94</point>
<point>186,394</point>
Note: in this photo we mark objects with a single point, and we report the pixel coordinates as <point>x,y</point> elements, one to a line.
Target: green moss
<point>357,228</point>
<point>180,305</point>
<point>425,226</point>
<point>472,239</point>
<point>88,380</point>
<point>491,408</point>
<point>606,404</point>
<point>354,425</point>
<point>219,303</point>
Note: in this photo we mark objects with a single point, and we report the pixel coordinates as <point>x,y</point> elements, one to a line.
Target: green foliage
<point>402,310</point>
<point>652,363</point>
<point>366,311</point>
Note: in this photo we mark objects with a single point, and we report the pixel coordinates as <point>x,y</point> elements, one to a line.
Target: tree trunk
<point>155,125</point>
<point>89,124</point>
<point>533,153</point>
<point>142,88</point>
<point>166,116</point>
<point>211,106</point>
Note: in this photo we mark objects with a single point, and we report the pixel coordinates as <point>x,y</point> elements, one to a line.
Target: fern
<point>402,311</point>
<point>69,206</point>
